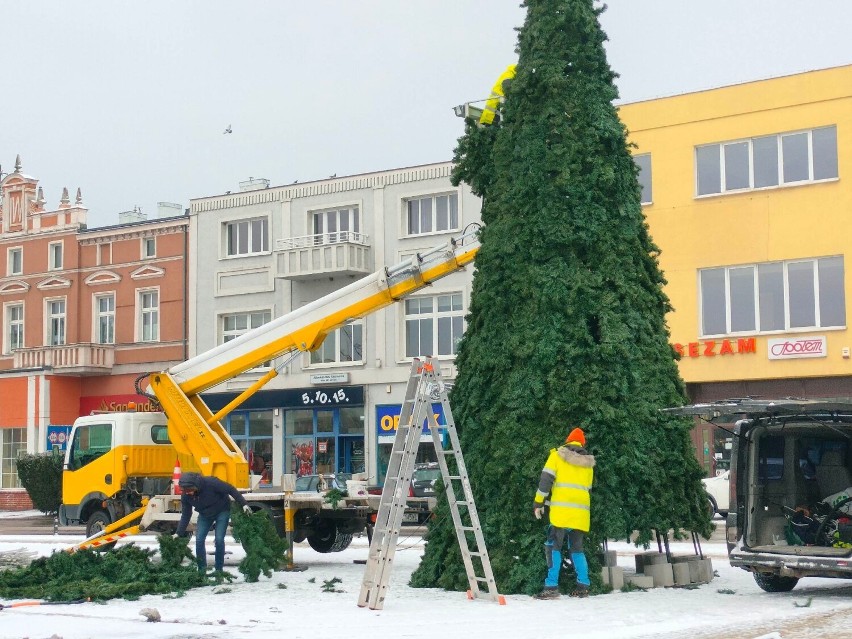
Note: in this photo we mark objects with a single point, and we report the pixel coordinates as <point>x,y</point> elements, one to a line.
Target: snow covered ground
<point>20,514</point>
<point>292,604</point>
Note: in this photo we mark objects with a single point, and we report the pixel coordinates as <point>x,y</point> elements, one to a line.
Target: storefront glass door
<point>324,441</point>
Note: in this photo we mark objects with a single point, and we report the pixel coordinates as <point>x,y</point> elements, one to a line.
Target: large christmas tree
<point>567,317</point>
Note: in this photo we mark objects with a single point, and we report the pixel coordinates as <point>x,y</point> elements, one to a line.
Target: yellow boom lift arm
<point>198,433</point>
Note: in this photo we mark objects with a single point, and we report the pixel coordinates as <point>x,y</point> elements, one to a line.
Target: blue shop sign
<point>387,418</point>
<point>57,437</point>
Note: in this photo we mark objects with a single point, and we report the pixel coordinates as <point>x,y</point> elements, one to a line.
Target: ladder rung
<point>454,477</point>
<point>467,528</point>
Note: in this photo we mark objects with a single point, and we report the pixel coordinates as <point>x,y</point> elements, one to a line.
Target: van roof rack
<point>747,406</point>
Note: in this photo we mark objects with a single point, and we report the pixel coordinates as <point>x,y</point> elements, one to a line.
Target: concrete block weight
<point>661,574</point>
<point>617,577</point>
<point>640,581</point>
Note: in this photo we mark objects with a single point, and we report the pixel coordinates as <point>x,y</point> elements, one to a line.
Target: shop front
<point>387,422</point>
<point>303,431</point>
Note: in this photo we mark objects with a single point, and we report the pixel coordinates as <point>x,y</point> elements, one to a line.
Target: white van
<point>791,474</point>
<point>718,491</point>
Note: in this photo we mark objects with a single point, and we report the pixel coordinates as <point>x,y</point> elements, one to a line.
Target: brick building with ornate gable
<point>80,311</point>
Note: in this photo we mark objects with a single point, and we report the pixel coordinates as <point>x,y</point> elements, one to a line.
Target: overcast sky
<point>129,100</point>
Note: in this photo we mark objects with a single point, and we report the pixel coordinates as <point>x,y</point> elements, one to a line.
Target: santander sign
<point>796,347</point>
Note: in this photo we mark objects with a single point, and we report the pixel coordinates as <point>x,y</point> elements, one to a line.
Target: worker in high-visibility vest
<point>566,479</point>
<point>498,91</point>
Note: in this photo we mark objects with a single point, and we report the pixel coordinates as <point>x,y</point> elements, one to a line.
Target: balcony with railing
<point>76,359</point>
<point>325,254</point>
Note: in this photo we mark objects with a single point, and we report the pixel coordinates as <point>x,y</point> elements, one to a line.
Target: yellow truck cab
<point>113,460</point>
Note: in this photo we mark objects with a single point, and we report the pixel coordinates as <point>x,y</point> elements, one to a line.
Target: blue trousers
<point>202,527</point>
<point>556,538</point>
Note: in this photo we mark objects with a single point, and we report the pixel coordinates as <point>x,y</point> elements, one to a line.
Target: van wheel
<point>97,521</point>
<point>775,583</point>
<point>711,506</point>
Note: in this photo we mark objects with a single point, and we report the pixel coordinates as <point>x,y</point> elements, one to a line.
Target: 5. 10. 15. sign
<point>325,397</point>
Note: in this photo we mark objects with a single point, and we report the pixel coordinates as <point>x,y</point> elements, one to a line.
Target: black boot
<point>580,591</point>
<point>548,593</point>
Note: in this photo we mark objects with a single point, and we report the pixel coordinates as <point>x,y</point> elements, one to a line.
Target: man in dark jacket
<point>211,498</point>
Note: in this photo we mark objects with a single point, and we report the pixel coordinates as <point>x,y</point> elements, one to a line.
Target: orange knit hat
<point>576,436</point>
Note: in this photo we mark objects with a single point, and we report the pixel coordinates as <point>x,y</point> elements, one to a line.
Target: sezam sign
<point>717,347</point>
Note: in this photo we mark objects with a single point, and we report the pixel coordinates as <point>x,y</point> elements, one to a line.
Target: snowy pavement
<point>293,604</point>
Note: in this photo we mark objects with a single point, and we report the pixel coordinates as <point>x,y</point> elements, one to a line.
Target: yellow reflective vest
<point>497,93</point>
<point>567,479</point>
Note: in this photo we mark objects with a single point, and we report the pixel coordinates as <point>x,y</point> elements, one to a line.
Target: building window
<point>247,237</point>
<point>149,316</point>
<point>15,262</point>
<point>768,161</point>
<point>773,296</point>
<point>149,248</point>
<point>105,319</point>
<point>433,325</point>
<point>55,322</point>
<point>13,443</point>
<point>344,345</point>
<point>432,214</point>
<point>338,225</point>
<point>54,256</point>
<point>235,324</point>
<point>14,327</point>
<point>643,162</point>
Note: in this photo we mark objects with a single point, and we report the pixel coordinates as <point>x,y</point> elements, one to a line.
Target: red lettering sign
<point>708,348</point>
<point>115,403</point>
<point>748,345</point>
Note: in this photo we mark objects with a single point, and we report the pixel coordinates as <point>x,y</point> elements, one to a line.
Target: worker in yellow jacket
<point>566,480</point>
<point>498,93</point>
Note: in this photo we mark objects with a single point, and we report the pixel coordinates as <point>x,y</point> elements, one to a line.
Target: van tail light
<point>373,517</point>
<point>410,490</point>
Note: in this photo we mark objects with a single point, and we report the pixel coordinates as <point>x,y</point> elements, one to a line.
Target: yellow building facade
<point>748,193</point>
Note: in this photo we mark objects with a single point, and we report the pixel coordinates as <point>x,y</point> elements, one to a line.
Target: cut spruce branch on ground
<point>130,572</point>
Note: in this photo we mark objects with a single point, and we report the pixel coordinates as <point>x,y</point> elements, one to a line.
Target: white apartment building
<point>264,251</point>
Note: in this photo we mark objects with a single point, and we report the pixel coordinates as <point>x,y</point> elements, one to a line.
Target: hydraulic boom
<point>197,433</point>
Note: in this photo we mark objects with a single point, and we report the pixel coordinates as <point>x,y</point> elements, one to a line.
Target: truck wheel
<point>775,583</point>
<point>326,538</point>
<point>97,521</point>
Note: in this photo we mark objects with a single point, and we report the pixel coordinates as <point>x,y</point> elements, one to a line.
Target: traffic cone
<point>176,478</point>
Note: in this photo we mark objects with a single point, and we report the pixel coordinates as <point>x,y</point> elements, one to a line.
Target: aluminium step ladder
<point>425,386</point>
